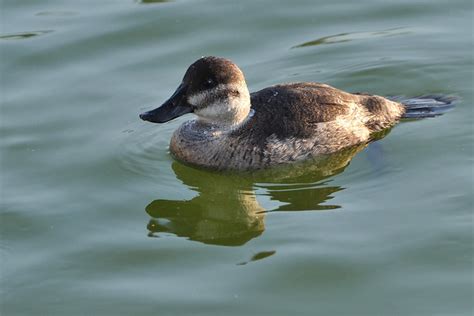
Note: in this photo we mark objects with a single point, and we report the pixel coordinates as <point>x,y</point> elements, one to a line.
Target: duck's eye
<point>209,83</point>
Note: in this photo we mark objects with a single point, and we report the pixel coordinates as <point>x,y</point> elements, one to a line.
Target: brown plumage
<point>281,124</point>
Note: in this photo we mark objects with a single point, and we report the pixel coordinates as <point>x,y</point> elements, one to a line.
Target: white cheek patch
<point>215,109</point>
<point>199,98</point>
<point>220,106</point>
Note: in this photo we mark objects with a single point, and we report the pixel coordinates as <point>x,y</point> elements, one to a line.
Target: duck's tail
<point>423,106</point>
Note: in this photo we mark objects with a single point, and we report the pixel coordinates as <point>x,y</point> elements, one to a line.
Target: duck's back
<point>292,110</point>
<point>294,121</point>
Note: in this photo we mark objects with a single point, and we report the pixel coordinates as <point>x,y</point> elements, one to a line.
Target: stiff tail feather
<point>423,106</point>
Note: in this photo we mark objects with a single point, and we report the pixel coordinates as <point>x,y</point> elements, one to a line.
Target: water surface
<point>98,219</point>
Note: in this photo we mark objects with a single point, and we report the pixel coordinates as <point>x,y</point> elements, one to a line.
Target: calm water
<point>97,218</point>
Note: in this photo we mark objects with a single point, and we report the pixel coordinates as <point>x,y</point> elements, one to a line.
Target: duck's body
<point>281,124</point>
<point>288,123</point>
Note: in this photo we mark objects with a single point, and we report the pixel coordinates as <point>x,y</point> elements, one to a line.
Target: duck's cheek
<point>199,99</point>
<point>214,111</point>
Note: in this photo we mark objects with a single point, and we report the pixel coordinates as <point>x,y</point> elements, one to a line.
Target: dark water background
<point>97,218</point>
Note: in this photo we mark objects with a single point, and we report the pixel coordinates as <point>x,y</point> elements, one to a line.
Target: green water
<point>97,218</point>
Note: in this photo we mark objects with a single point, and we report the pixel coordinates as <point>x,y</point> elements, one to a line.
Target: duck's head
<point>213,88</point>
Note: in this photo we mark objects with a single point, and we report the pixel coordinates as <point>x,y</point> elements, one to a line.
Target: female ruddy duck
<point>238,130</point>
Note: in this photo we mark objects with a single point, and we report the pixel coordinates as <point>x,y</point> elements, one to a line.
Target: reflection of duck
<point>236,130</point>
<point>226,210</point>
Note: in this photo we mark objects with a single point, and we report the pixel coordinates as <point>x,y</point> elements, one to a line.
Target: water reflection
<point>226,210</point>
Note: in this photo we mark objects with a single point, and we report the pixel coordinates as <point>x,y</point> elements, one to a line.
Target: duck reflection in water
<point>226,210</point>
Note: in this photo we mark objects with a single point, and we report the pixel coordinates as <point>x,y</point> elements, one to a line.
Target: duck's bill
<point>165,113</point>
<point>171,109</point>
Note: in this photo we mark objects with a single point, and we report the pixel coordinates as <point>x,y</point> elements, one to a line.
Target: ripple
<point>152,1</point>
<point>57,13</point>
<point>144,151</point>
<point>258,256</point>
<point>347,37</point>
<point>24,35</point>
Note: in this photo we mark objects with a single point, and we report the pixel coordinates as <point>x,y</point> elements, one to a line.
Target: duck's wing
<point>292,110</point>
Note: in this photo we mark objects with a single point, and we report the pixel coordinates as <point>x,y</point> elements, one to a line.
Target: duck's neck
<point>206,144</point>
<point>228,114</point>
<point>226,126</point>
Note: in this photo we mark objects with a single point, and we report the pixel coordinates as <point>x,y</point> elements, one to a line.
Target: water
<point>97,218</point>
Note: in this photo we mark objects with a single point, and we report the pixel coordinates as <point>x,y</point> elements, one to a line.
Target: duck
<point>236,130</point>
